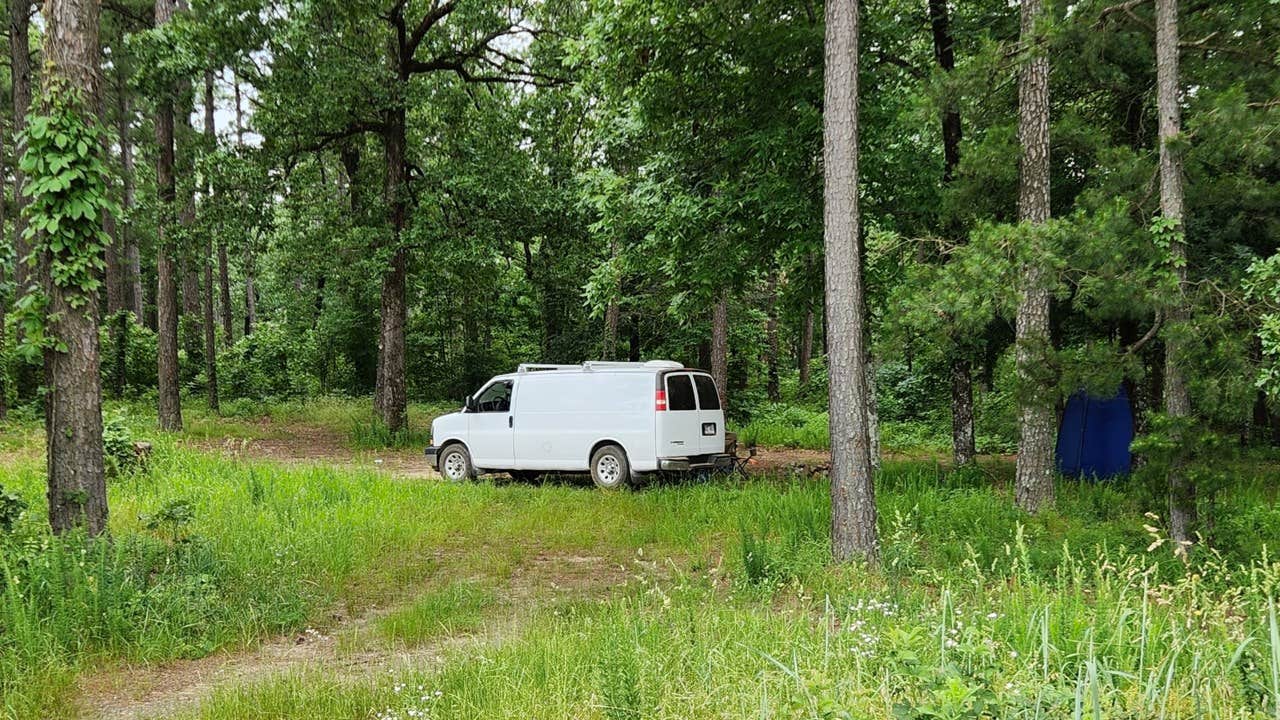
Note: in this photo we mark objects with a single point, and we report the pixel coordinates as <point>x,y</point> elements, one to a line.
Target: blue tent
<point>1094,438</point>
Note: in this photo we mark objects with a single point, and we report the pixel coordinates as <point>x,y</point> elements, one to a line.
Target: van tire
<point>609,468</point>
<point>455,464</point>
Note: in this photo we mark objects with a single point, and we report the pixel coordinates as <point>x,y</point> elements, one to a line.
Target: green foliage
<point>1262,286</point>
<point>126,343</point>
<point>118,450</point>
<point>11,509</point>
<point>171,520</point>
<point>271,363</point>
<point>67,187</point>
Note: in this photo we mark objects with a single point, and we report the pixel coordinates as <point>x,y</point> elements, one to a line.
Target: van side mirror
<point>470,403</point>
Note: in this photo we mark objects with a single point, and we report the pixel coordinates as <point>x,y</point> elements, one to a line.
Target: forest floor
<point>348,647</point>
<point>351,649</point>
<point>280,567</point>
<point>321,445</point>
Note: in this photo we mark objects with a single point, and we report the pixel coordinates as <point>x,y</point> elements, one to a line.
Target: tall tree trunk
<point>390,396</point>
<point>235,83</point>
<point>633,338</point>
<point>210,332</point>
<point>224,295</point>
<point>720,347</point>
<point>963,441</point>
<point>873,409</point>
<point>1177,399</point>
<point>853,508</point>
<point>771,341</point>
<point>805,356</point>
<point>170,402</point>
<point>250,294</point>
<point>224,275</point>
<point>20,76</point>
<point>132,261</point>
<point>116,280</point>
<point>77,490</point>
<point>4,299</point>
<point>611,316</point>
<point>1034,482</point>
<point>962,432</point>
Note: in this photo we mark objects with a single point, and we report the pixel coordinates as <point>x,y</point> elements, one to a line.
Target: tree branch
<point>324,140</point>
<point>1150,334</point>
<point>142,21</point>
<point>1124,7</point>
<point>430,20</point>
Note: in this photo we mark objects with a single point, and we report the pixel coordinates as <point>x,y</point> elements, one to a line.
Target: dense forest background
<point>402,199</point>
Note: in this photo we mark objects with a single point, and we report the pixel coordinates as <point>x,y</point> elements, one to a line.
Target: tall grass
<point>732,608</point>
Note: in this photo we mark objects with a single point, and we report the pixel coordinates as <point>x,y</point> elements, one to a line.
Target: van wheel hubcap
<point>455,467</point>
<point>609,469</point>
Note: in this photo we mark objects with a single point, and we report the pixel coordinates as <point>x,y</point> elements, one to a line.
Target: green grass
<point>454,609</point>
<point>730,608</point>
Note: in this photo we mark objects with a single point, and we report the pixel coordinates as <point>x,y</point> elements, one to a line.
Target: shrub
<point>118,451</point>
<point>270,363</point>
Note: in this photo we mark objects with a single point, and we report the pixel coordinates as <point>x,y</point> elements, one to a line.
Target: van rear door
<point>710,416</point>
<point>678,424</point>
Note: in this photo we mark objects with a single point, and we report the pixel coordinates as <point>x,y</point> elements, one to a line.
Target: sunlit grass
<point>728,606</point>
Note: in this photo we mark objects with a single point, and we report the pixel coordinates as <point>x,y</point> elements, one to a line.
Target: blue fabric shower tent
<point>1094,437</point>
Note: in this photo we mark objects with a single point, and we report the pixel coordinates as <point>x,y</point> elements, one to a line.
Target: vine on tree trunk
<point>67,191</point>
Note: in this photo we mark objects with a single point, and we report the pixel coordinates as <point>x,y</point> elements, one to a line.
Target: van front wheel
<point>609,468</point>
<point>455,464</point>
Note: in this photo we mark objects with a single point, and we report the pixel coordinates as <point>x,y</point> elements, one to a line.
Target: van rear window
<point>707,392</point>
<point>680,393</point>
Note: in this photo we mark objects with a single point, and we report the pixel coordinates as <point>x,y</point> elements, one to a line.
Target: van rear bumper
<point>700,462</point>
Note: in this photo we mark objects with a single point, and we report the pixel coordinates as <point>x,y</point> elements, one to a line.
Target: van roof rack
<point>535,367</point>
<point>668,364</point>
<point>591,364</point>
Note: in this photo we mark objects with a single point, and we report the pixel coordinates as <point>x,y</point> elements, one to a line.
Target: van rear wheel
<point>609,468</point>
<point>455,464</point>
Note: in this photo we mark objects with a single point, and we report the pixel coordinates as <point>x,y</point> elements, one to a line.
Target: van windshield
<point>707,395</point>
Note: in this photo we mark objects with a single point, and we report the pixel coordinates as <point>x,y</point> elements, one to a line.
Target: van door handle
<point>510,421</point>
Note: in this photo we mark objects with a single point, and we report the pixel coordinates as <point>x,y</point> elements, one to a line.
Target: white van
<point>614,419</point>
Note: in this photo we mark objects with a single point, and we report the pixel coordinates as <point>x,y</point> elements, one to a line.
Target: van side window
<point>707,394</point>
<point>680,393</point>
<point>495,398</point>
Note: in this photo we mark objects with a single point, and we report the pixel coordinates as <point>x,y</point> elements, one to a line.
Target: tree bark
<point>210,333</point>
<point>771,342</point>
<point>20,76</point>
<point>132,261</point>
<point>720,347</point>
<point>963,447</point>
<point>170,402</point>
<point>77,490</point>
<point>611,316</point>
<point>633,339</point>
<point>250,295</point>
<point>1034,481</point>
<point>1177,398</point>
<point>4,299</point>
<point>805,356</point>
<point>853,509</point>
<point>963,442</point>
<point>390,393</point>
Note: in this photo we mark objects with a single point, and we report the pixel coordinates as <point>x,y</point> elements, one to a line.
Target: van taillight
<point>660,400</point>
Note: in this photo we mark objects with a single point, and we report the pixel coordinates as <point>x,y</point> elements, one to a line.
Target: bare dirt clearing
<point>313,444</point>
<point>352,650</point>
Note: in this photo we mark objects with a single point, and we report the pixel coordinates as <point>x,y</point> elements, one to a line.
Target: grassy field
<point>700,599</point>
